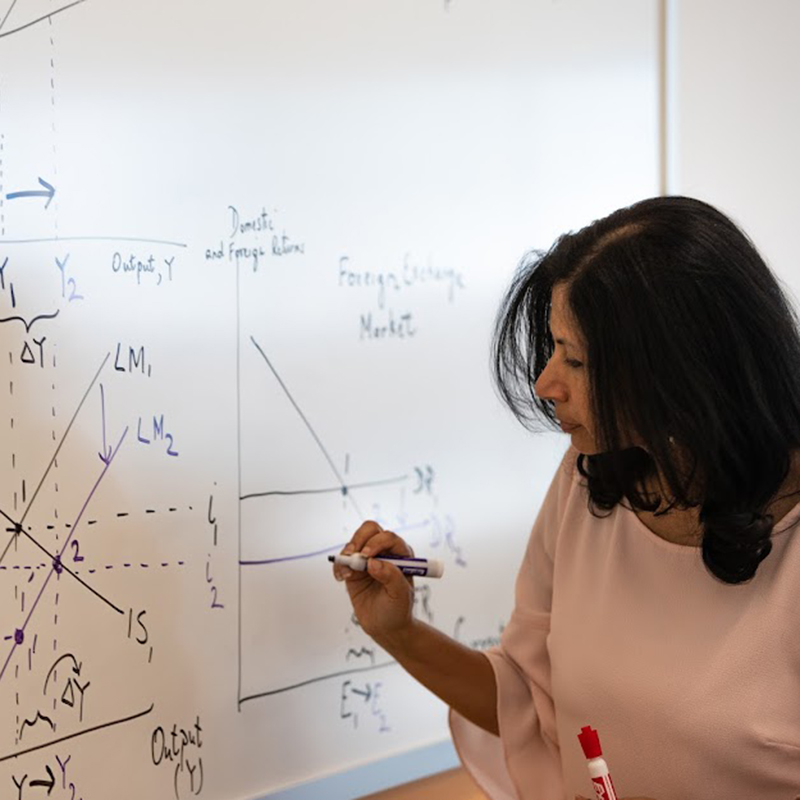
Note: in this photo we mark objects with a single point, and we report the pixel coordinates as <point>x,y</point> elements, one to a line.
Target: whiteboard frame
<point>376,776</point>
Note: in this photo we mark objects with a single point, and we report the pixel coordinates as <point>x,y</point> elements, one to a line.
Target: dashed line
<point>55,135</point>
<point>55,624</point>
<point>23,566</point>
<point>55,485</point>
<point>92,570</point>
<point>129,565</point>
<point>118,514</point>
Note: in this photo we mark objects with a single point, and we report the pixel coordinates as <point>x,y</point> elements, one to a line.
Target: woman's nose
<point>548,386</point>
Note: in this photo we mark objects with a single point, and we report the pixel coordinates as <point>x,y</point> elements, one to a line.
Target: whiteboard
<point>250,257</point>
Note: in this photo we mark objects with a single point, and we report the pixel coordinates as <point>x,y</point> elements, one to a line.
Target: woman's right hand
<point>383,600</point>
<point>382,597</point>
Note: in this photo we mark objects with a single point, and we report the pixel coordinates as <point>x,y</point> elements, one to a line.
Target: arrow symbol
<point>76,668</point>
<point>105,456</point>
<point>48,192</point>
<point>49,783</point>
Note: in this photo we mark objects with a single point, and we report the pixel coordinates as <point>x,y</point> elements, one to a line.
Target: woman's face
<point>564,379</point>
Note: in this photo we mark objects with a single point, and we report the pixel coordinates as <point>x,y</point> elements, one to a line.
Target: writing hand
<point>382,597</point>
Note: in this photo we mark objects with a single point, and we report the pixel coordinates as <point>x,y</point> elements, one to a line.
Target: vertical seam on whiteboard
<point>239,482</point>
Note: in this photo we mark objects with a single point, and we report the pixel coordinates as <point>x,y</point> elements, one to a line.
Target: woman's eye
<point>571,362</point>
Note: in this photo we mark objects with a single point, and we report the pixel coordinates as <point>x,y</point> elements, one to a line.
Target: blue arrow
<point>105,456</point>
<point>48,193</point>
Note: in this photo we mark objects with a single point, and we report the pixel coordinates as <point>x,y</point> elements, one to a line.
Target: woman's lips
<point>567,427</point>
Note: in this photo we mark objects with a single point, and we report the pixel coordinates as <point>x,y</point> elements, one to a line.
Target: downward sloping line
<point>70,572</point>
<point>55,456</point>
<point>297,408</point>
<point>73,528</point>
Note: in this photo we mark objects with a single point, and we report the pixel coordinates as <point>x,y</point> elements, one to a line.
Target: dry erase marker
<point>598,769</point>
<point>419,567</point>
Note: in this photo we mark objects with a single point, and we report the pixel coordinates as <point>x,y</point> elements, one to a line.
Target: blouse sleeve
<point>524,762</point>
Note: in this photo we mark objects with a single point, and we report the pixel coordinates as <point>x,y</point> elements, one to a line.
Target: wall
<point>734,117</point>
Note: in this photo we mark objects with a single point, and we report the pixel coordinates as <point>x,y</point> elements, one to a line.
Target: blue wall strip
<point>377,776</point>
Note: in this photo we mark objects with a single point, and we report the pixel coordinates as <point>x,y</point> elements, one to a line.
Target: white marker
<point>419,567</point>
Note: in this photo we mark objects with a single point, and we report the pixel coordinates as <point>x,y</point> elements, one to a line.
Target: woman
<point>658,597</point>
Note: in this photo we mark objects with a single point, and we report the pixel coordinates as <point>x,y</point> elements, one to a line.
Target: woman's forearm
<point>460,676</point>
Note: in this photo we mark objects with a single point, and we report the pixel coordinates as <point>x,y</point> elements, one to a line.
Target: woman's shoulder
<point>565,484</point>
<point>567,472</point>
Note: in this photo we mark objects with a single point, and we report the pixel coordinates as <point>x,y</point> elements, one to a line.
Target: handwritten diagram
<point>249,264</point>
<point>89,413</point>
<point>403,502</point>
<point>69,551</point>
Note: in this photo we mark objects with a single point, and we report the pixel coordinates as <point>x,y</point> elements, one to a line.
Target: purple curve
<point>293,558</point>
<point>281,559</point>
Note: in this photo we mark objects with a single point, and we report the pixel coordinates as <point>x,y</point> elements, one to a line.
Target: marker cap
<point>590,742</point>
<point>435,568</point>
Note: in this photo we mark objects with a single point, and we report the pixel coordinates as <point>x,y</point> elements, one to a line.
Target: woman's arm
<point>461,677</point>
<point>383,601</point>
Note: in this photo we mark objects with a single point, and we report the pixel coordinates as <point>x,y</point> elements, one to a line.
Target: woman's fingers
<point>371,539</point>
<point>363,534</point>
<point>342,573</point>
<point>394,582</point>
<point>366,531</point>
<point>386,542</point>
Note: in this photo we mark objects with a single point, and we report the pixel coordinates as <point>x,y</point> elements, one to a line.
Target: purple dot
<point>19,636</point>
<point>57,565</point>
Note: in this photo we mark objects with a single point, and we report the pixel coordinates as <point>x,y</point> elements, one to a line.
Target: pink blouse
<point>692,684</point>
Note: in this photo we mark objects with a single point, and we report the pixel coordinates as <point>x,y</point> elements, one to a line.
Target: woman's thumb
<point>387,574</point>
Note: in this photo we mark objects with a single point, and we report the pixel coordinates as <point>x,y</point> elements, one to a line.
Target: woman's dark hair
<point>692,344</point>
